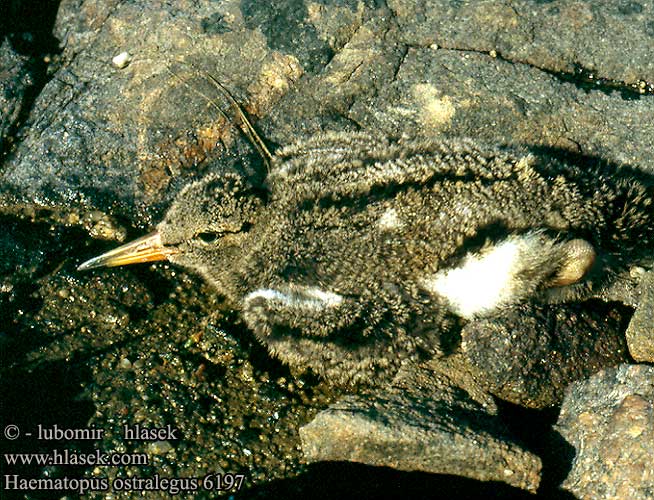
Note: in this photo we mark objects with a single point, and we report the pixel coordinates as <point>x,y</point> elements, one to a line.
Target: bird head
<point>205,229</point>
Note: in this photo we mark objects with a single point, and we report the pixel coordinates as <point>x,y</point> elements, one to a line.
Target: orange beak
<point>145,249</point>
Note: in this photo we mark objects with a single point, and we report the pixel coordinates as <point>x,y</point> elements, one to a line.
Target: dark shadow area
<point>47,396</point>
<point>534,429</point>
<point>340,480</point>
<point>276,18</point>
<point>30,252</point>
<point>28,28</point>
<point>586,80</point>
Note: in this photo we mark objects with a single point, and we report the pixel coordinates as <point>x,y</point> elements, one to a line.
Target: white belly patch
<point>485,281</point>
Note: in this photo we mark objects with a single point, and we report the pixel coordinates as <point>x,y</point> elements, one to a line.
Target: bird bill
<point>145,249</point>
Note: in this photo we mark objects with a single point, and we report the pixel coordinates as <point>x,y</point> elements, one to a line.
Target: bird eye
<point>207,237</point>
<point>210,237</point>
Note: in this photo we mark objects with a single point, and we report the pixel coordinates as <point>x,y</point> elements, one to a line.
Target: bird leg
<point>510,271</point>
<point>579,257</point>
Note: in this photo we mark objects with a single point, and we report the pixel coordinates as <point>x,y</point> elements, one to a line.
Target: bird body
<point>359,253</point>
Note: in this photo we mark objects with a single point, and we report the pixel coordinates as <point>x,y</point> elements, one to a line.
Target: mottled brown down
<point>331,261</point>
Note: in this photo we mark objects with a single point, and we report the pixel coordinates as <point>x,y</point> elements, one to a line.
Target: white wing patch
<point>298,297</point>
<point>488,280</point>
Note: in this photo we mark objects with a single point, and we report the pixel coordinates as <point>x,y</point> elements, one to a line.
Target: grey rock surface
<point>112,138</point>
<point>529,357</point>
<point>609,419</point>
<point>423,423</point>
<point>96,127</point>
<point>105,148</point>
<point>15,79</point>
<point>551,35</point>
<point>640,334</point>
<point>454,92</point>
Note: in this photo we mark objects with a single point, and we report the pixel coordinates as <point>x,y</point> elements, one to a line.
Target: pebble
<point>121,61</point>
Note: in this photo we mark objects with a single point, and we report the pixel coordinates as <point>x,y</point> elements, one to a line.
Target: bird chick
<point>360,254</point>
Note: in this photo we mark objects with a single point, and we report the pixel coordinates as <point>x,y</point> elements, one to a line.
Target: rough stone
<point>422,423</point>
<point>613,39</point>
<point>125,140</point>
<point>609,419</point>
<point>15,80</point>
<point>640,333</point>
<point>459,93</point>
<point>530,354</point>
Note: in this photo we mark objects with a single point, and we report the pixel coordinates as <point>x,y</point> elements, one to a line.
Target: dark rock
<point>422,423</point>
<point>160,349</point>
<point>640,335</point>
<point>367,63</point>
<point>125,140</point>
<point>610,39</point>
<point>107,148</point>
<point>276,18</point>
<point>530,354</point>
<point>15,80</point>
<point>609,419</point>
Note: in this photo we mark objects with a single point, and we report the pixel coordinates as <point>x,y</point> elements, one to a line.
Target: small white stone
<point>125,364</point>
<point>121,60</point>
<point>636,272</point>
<point>159,447</point>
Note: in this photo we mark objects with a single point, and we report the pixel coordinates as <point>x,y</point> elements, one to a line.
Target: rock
<point>125,140</point>
<point>105,149</point>
<point>529,354</point>
<point>15,81</point>
<point>640,333</point>
<point>613,39</point>
<point>386,78</point>
<point>423,423</point>
<point>459,93</point>
<point>609,419</point>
